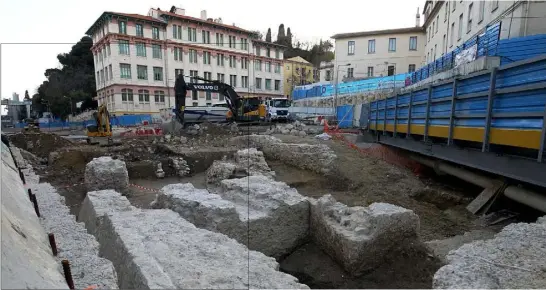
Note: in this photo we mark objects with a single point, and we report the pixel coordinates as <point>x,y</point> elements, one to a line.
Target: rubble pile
<point>151,247</point>
<point>358,237</point>
<point>515,258</point>
<point>38,143</point>
<point>180,166</point>
<point>296,129</point>
<point>106,173</point>
<point>246,162</point>
<point>267,215</point>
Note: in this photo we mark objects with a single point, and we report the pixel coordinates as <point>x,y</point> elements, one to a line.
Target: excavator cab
<point>101,133</point>
<point>250,109</point>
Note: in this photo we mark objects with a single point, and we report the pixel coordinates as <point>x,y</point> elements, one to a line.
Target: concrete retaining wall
<point>27,260</point>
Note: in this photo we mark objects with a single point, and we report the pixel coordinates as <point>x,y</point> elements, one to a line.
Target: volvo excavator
<point>101,133</point>
<point>240,109</point>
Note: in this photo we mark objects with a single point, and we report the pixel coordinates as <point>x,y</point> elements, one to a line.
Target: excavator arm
<point>181,88</point>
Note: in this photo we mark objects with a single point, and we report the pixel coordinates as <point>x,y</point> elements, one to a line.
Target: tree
<point>74,80</point>
<point>256,34</point>
<point>281,36</point>
<point>288,37</point>
<point>268,35</point>
<point>27,97</point>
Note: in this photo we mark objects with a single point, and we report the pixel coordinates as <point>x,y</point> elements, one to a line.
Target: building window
<point>122,27</point>
<point>156,50</point>
<point>207,75</point>
<point>258,51</point>
<point>350,73</point>
<point>277,54</point>
<point>370,71</point>
<point>453,6</point>
<point>351,48</point>
<point>102,76</point>
<point>469,22</point>
<point>268,52</point>
<point>232,61</point>
<point>221,77</point>
<point>206,57</point>
<point>98,78</point>
<point>244,63</point>
<point>392,44</point>
<point>159,96</point>
<point>481,12</point>
<point>124,47</point>
<point>413,43</point>
<point>452,34</point>
<point>258,65</point>
<point>435,50</point>
<point>444,44</point>
<point>244,44</point>
<point>142,72</point>
<point>258,83</point>
<point>178,72</point>
<point>328,75</point>
<point>244,81</point>
<point>206,36</point>
<point>192,34</point>
<point>219,39</point>
<point>494,5</point>
<point>220,59</point>
<point>371,46</point>
<point>125,70</point>
<point>432,30</point>
<point>208,97</point>
<point>460,34</point>
<point>195,104</point>
<point>143,96</point>
<point>110,70</point>
<point>177,31</point>
<point>446,11</point>
<point>233,80</point>
<point>141,49</point>
<point>139,30</point>
<point>193,74</point>
<point>108,49</point>
<point>232,42</point>
<point>437,23</point>
<point>277,68</point>
<point>268,67</point>
<point>411,68</point>
<point>193,56</point>
<point>390,70</point>
<point>277,85</point>
<point>155,32</point>
<point>126,95</point>
<point>268,84</point>
<point>178,54</point>
<point>158,73</point>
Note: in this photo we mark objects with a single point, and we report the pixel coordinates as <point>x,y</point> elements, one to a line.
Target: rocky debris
<point>150,248</point>
<point>106,173</point>
<point>220,170</point>
<point>357,237</point>
<point>246,162</point>
<point>515,258</point>
<point>296,129</point>
<point>171,139</point>
<point>274,215</point>
<point>194,130</point>
<point>159,173</point>
<point>440,248</point>
<point>314,157</point>
<point>180,166</point>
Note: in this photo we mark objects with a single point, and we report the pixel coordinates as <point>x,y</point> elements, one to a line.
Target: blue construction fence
<point>123,121</point>
<point>487,45</point>
<point>520,48</point>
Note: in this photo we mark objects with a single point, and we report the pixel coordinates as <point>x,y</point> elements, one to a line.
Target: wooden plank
<point>484,197</point>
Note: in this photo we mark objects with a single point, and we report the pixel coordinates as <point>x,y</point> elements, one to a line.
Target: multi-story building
<point>137,59</point>
<point>377,53</point>
<point>298,72</point>
<point>449,24</point>
<point>326,72</point>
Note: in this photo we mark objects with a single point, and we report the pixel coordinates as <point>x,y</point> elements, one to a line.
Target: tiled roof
<point>128,15</point>
<point>378,32</point>
<point>199,20</point>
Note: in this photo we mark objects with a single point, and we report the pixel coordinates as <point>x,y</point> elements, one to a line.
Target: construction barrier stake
<point>22,176</point>
<point>30,194</point>
<point>68,274</point>
<point>52,243</point>
<point>35,202</point>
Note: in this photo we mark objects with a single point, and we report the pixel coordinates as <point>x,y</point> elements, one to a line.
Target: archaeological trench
<point>262,211</point>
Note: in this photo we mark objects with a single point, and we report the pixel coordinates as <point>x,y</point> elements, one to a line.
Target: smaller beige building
<point>378,53</point>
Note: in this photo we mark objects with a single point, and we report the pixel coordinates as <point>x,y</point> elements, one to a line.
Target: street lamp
<point>336,85</point>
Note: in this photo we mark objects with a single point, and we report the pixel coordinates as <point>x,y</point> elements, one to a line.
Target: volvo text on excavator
<point>241,109</point>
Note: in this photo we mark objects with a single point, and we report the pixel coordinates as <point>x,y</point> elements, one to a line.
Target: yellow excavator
<point>101,133</point>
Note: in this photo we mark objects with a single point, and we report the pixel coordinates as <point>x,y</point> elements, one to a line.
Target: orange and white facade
<point>137,59</point>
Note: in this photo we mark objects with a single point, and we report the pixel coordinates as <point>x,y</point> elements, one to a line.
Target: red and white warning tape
<point>72,185</point>
<point>144,188</point>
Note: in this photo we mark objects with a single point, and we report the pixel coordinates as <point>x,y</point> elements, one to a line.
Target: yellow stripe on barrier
<point>511,137</point>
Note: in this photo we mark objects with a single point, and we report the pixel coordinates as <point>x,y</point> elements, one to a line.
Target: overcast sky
<point>43,28</point>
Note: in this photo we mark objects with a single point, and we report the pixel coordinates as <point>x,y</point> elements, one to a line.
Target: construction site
<point>227,207</point>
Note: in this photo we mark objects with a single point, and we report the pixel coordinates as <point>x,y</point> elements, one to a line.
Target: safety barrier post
<point>452,114</point>
<point>427,113</point>
<point>408,133</point>
<point>490,96</point>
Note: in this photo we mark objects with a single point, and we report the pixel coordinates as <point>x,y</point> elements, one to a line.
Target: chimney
<point>204,14</point>
<point>417,18</point>
<point>220,20</point>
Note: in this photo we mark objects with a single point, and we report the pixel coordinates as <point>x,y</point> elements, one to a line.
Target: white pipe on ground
<point>519,194</point>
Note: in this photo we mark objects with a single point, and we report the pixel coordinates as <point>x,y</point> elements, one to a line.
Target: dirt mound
<point>40,144</point>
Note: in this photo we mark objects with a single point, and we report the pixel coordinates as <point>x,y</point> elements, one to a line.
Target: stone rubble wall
<point>106,173</point>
